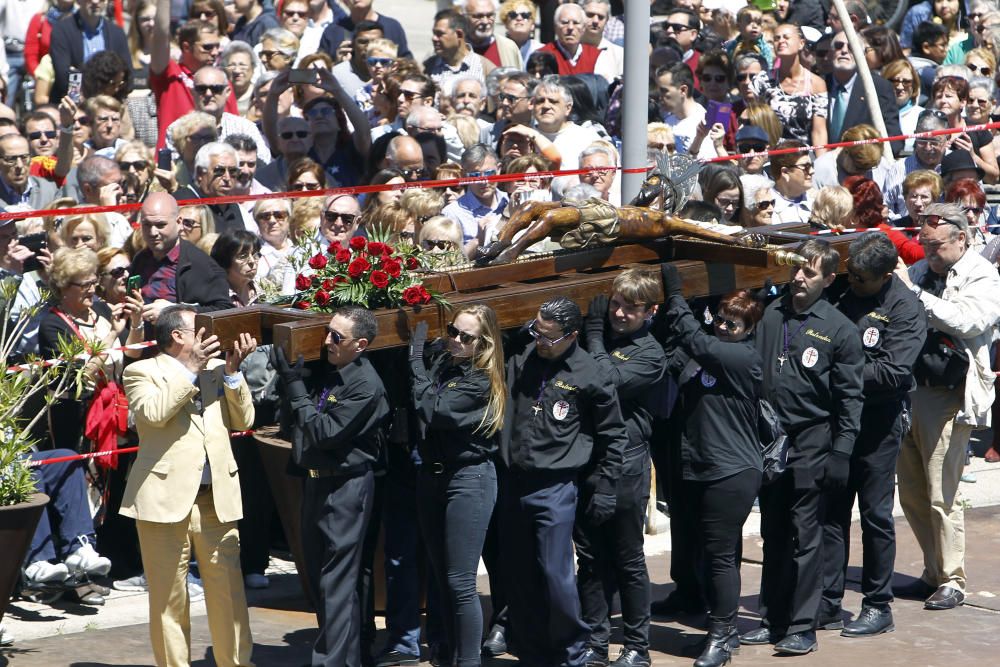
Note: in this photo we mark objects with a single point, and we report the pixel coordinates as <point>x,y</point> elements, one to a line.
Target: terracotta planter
<point>17,527</point>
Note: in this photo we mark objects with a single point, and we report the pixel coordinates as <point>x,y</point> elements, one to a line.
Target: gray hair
<point>418,114</point>
<point>961,71</point>
<point>284,40</point>
<point>991,38</point>
<point>237,46</point>
<point>873,253</point>
<point>560,10</point>
<point>475,155</point>
<point>453,85</point>
<point>552,84</point>
<point>606,3</point>
<point>170,320</point>
<point>983,83</point>
<point>598,149</point>
<point>91,170</point>
<point>928,121</point>
<point>260,202</point>
<point>562,311</point>
<point>210,150</point>
<point>581,192</point>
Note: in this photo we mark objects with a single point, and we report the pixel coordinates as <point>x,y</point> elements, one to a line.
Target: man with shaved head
<point>404,153</point>
<point>173,270</point>
<point>211,91</point>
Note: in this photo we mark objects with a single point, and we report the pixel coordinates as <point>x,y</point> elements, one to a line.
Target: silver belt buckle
<point>314,473</point>
<point>437,468</point>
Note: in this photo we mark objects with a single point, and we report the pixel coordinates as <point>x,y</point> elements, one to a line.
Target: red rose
<point>387,249</point>
<point>425,296</point>
<point>334,248</point>
<point>302,305</point>
<point>343,255</point>
<point>412,263</point>
<point>412,296</point>
<point>328,284</point>
<point>376,248</point>
<point>392,267</point>
<point>358,243</point>
<point>357,267</point>
<point>380,279</point>
<point>339,279</point>
<point>322,298</point>
<point>302,282</point>
<point>317,261</point>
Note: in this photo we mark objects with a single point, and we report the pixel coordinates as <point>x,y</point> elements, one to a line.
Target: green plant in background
<point>20,388</point>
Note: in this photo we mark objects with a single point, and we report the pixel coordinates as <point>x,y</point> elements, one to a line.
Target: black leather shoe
<point>442,656</point>
<point>759,637</point>
<point>918,589</point>
<point>397,659</point>
<point>870,622</point>
<point>496,642</point>
<point>830,623</point>
<point>797,643</point>
<point>591,658</point>
<point>945,597</point>
<point>675,604</point>
<point>631,658</point>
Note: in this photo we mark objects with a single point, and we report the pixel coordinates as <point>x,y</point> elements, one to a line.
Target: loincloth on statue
<point>598,224</point>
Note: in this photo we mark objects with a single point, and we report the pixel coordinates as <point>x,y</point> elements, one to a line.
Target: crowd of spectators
<point>106,102</point>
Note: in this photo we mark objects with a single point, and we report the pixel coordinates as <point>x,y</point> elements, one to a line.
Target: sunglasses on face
<point>277,215</point>
<point>901,82</point>
<point>190,224</point>
<point>299,187</point>
<point>137,165</point>
<point>440,244</point>
<point>38,134</point>
<point>718,78</point>
<point>984,70</point>
<point>220,171</point>
<point>408,236</point>
<point>751,148</point>
<point>745,76</point>
<point>481,174</point>
<point>348,218</point>
<point>336,336</point>
<point>839,46</point>
<point>765,204</point>
<point>977,210</point>
<point>291,13</point>
<point>413,174</point>
<point>510,99</point>
<point>806,168</point>
<point>116,272</point>
<point>321,111</point>
<point>215,88</point>
<point>676,27</point>
<point>511,16</point>
<point>542,339</point>
<point>298,134</point>
<point>410,95</point>
<point>727,323</point>
<point>378,62</point>
<point>203,14</point>
<point>465,338</point>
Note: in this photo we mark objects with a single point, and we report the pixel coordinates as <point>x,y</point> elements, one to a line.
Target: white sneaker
<point>135,584</point>
<point>256,581</point>
<point>44,572</point>
<point>195,590</point>
<point>87,561</point>
<point>6,639</point>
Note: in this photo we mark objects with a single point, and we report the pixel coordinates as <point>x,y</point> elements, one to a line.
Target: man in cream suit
<point>183,490</point>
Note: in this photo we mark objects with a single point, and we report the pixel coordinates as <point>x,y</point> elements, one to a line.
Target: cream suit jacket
<point>174,440</point>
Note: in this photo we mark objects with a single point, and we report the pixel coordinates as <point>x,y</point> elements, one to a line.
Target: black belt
<point>348,471</point>
<point>441,467</point>
<point>635,449</point>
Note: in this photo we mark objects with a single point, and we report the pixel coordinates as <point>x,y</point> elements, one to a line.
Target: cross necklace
<point>537,407</point>
<point>783,357</point>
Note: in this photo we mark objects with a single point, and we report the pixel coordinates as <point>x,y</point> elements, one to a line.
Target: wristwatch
<point>916,289</point>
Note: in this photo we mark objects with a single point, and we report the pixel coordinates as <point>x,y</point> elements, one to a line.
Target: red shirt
<point>44,166</point>
<point>173,90</point>
<point>491,52</point>
<point>584,64</point>
<point>36,41</point>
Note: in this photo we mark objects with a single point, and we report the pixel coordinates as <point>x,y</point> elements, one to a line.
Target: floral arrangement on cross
<point>365,272</point>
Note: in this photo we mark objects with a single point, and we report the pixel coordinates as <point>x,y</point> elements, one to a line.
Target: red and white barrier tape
<point>123,450</point>
<point>464,181</point>
<point>53,362</point>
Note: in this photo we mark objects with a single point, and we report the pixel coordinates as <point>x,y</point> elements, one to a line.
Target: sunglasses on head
<point>465,338</point>
<point>216,88</point>
<point>36,135</point>
<point>331,217</point>
<point>116,272</point>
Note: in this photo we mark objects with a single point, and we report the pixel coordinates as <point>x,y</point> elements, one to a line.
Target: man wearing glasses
<point>479,209</point>
<point>792,174</point>
<point>353,74</point>
<point>17,185</point>
<point>172,81</point>
<point>340,220</point>
<point>216,174</point>
<point>563,419</point>
<point>337,431</point>
<point>499,50</point>
<point>684,26</point>
<point>961,293</point>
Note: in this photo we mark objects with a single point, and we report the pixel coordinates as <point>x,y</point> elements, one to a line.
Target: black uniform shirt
<point>563,416</point>
<point>719,403</point>
<point>821,377</point>
<point>635,366</point>
<point>450,402</point>
<point>892,325</point>
<point>340,426</point>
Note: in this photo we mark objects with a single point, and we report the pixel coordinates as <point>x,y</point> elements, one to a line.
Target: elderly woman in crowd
<point>832,206</point>
<point>273,219</point>
<point>85,231</point>
<point>423,204</point>
<point>278,49</point>
<point>950,95</point>
<point>906,87</point>
<point>76,314</point>
<point>441,238</point>
<point>518,18</point>
<point>112,274</point>
<point>305,219</point>
<point>391,219</point>
<point>188,134</point>
<point>758,203</point>
<point>242,67</point>
<point>238,253</point>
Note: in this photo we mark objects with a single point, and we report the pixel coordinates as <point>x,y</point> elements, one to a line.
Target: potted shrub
<point>33,384</point>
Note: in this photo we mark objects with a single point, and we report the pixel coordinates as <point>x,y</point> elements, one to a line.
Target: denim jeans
<point>455,509</point>
<point>67,516</point>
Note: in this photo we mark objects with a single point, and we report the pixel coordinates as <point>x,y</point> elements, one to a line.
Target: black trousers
<point>494,565</point>
<point>792,512</point>
<point>873,468</point>
<point>335,514</point>
<point>609,557</point>
<point>721,508</point>
<point>258,506</point>
<point>538,511</point>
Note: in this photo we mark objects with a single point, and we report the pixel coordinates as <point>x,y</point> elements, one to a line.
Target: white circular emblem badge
<point>870,337</point>
<point>809,357</point>
<point>707,380</point>
<point>560,410</point>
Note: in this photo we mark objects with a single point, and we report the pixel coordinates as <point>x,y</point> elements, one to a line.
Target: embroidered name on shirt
<point>563,385</point>
<point>816,334</point>
<point>878,316</point>
<point>618,355</point>
<point>452,385</point>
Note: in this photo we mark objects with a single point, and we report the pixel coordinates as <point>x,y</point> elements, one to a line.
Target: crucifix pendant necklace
<point>537,407</point>
<point>787,340</point>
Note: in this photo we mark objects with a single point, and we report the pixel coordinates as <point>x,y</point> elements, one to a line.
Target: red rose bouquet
<point>366,272</point>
